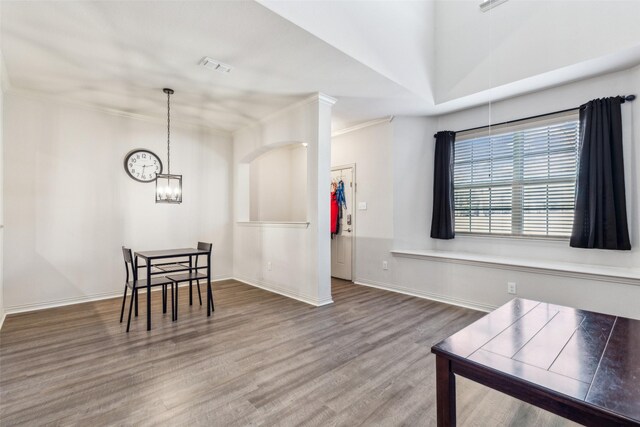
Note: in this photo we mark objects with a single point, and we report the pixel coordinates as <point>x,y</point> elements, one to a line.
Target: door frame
<point>353,213</point>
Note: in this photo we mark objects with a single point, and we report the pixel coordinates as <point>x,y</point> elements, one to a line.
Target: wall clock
<point>142,165</point>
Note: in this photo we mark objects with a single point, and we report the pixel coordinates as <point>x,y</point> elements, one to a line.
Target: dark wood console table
<point>580,365</point>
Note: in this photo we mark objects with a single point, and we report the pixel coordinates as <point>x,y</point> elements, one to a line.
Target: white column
<point>318,203</point>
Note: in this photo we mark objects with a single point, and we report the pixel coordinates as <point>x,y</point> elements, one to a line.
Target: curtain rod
<point>624,99</point>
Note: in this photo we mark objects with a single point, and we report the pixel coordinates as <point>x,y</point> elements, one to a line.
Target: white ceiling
<point>378,58</point>
<point>395,38</point>
<point>119,56</point>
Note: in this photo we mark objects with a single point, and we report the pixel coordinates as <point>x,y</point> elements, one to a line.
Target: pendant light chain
<point>168,187</point>
<point>168,132</point>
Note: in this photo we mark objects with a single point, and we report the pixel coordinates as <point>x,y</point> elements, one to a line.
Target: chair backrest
<point>205,246</point>
<point>128,262</point>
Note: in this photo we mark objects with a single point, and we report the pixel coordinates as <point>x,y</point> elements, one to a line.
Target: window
<point>517,180</point>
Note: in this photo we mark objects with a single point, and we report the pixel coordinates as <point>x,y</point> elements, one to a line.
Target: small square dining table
<point>153,256</point>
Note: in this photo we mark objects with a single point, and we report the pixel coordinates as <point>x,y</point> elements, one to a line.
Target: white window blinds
<point>517,180</point>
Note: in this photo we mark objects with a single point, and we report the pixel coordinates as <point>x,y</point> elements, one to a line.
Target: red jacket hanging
<point>334,213</point>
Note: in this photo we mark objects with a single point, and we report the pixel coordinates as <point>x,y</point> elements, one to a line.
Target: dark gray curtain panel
<point>600,218</point>
<point>442,221</point>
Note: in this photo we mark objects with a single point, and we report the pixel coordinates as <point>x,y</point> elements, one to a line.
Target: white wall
<point>412,185</point>
<point>291,259</point>
<point>297,188</point>
<point>409,149</point>
<point>2,305</point>
<point>371,150</point>
<point>511,42</point>
<point>70,206</point>
<point>394,175</point>
<point>279,185</point>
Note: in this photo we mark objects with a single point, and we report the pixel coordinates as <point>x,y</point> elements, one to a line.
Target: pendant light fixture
<point>168,187</point>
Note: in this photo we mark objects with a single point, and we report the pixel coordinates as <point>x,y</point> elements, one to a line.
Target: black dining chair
<point>190,277</point>
<point>136,284</point>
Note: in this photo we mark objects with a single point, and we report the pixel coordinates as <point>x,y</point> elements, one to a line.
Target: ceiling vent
<point>489,4</point>
<point>212,64</point>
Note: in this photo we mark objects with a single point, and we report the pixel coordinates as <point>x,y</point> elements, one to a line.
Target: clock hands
<point>143,170</point>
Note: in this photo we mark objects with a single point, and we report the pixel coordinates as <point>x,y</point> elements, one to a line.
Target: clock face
<point>142,165</point>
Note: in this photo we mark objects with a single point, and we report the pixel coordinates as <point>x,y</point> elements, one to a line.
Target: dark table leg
<point>173,306</point>
<point>209,284</point>
<point>164,298</point>
<point>177,300</point>
<point>148,294</point>
<point>445,392</point>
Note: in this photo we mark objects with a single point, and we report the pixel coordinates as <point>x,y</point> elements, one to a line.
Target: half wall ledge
<point>289,224</point>
<point>628,276</point>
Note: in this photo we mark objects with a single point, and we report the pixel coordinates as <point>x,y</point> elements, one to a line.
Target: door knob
<point>348,230</point>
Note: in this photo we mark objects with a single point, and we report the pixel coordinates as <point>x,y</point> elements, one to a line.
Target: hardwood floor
<point>261,359</point>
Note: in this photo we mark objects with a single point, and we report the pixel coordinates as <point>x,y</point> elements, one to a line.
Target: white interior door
<point>342,244</point>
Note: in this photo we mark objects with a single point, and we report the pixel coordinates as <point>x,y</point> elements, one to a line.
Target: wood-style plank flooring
<point>260,360</point>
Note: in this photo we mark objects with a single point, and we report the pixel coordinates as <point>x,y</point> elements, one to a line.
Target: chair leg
<point>136,298</point>
<point>190,292</point>
<point>124,300</point>
<point>211,301</point>
<point>199,293</point>
<point>133,293</point>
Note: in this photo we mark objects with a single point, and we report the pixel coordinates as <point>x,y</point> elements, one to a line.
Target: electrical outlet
<point>385,265</point>
<point>511,288</point>
<point>268,265</point>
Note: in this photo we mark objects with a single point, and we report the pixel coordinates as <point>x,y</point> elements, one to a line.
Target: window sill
<point>282,224</point>
<point>629,276</point>
<point>513,237</point>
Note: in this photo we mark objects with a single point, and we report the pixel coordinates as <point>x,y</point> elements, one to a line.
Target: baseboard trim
<point>270,287</point>
<point>327,301</point>
<point>426,295</point>
<point>25,308</point>
<point>267,287</point>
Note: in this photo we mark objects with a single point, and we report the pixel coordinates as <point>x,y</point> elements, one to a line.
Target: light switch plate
<point>362,206</point>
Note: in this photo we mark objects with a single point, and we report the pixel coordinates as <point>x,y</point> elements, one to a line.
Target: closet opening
<point>343,221</point>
